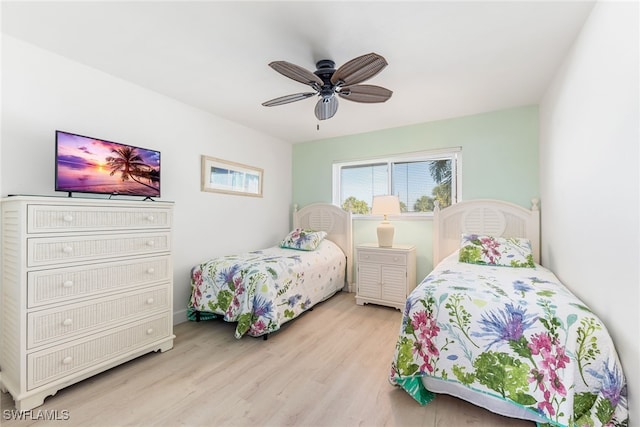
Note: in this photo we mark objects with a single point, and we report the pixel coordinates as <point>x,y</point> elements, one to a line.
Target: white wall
<point>589,182</point>
<point>42,92</point>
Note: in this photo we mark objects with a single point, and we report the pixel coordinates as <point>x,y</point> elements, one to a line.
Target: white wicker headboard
<point>332,219</point>
<point>484,216</point>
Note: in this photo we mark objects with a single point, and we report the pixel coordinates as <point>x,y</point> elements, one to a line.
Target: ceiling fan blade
<point>288,98</point>
<point>296,73</point>
<point>326,107</point>
<point>359,69</point>
<point>365,93</point>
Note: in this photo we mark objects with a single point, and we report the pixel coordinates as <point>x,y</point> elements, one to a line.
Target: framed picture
<point>221,176</point>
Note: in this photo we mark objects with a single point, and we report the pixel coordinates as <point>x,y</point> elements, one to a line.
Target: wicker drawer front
<point>53,219</point>
<point>52,364</point>
<point>73,320</point>
<point>56,250</point>
<point>65,284</point>
<point>382,258</point>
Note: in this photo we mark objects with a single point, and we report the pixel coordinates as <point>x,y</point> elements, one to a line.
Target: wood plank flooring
<point>327,368</point>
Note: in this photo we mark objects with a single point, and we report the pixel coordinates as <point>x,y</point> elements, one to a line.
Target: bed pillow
<point>488,250</point>
<point>305,240</point>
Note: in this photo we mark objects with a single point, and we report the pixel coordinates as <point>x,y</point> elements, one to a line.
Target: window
<point>418,179</point>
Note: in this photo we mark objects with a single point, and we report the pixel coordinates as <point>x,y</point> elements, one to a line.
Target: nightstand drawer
<point>382,258</point>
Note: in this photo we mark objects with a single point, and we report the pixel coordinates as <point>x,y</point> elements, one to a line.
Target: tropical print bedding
<point>263,289</point>
<point>516,334</point>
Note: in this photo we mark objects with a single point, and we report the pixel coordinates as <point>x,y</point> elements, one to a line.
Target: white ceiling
<point>446,59</point>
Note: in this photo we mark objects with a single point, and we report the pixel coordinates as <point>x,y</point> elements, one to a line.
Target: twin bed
<point>492,326</point>
<point>489,324</point>
<point>262,290</point>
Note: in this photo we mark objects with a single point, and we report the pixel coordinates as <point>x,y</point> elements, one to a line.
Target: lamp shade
<point>385,205</point>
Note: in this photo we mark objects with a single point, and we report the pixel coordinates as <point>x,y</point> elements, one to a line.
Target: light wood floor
<point>327,368</point>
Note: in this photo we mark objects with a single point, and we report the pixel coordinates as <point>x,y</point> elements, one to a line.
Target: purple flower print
<point>612,382</point>
<point>293,300</point>
<point>225,275</point>
<point>505,325</point>
<point>426,329</point>
<point>262,307</point>
<point>197,292</point>
<point>197,277</point>
<point>546,376</point>
<point>257,328</point>
<point>520,286</point>
<point>490,249</point>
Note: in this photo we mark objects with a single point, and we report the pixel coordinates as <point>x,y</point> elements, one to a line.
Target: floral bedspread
<point>263,289</point>
<point>516,334</point>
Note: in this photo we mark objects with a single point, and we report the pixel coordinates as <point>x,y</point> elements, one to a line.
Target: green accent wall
<point>499,160</point>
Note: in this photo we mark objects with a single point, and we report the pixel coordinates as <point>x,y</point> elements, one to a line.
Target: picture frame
<point>222,176</point>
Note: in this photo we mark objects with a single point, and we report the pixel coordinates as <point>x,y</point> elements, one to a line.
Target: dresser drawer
<point>52,218</point>
<point>382,258</point>
<point>56,250</point>
<point>55,363</point>
<point>65,284</point>
<point>72,320</point>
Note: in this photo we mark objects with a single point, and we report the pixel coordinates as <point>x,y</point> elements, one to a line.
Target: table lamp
<point>385,205</point>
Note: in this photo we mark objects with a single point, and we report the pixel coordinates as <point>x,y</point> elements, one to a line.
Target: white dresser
<point>86,285</point>
<point>386,276</point>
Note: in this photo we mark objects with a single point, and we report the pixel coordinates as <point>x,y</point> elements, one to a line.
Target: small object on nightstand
<point>385,205</point>
<point>386,276</point>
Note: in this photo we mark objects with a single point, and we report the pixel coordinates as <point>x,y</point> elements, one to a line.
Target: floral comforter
<point>516,334</point>
<point>263,289</point>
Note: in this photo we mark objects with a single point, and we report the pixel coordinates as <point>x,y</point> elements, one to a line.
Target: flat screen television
<point>91,165</point>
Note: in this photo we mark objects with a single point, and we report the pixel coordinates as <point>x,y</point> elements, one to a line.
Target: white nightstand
<point>386,276</point>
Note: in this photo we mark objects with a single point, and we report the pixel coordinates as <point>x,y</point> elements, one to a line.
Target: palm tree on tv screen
<point>130,165</point>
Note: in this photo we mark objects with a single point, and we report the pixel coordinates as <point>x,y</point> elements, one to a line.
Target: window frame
<point>453,153</point>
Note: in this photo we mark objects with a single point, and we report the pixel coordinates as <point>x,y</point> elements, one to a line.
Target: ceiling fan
<point>327,82</point>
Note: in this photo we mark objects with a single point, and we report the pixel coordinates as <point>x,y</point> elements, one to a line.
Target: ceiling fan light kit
<point>327,82</point>
<point>326,107</point>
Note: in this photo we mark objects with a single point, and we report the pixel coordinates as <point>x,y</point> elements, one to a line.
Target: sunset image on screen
<point>96,166</point>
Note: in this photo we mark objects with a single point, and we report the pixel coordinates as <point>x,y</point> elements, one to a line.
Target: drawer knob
<point>67,249</point>
<point>150,218</point>
<point>149,331</point>
<point>150,270</point>
<point>67,218</point>
<point>67,322</point>
<point>67,360</point>
<point>395,258</point>
<point>150,243</point>
<point>67,284</point>
<point>150,301</point>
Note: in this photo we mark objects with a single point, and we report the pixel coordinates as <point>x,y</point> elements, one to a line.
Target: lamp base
<point>385,234</point>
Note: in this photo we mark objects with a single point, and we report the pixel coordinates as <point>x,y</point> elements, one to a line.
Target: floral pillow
<point>488,250</point>
<point>305,240</point>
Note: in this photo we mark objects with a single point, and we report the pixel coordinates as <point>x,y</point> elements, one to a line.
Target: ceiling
<point>446,59</point>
